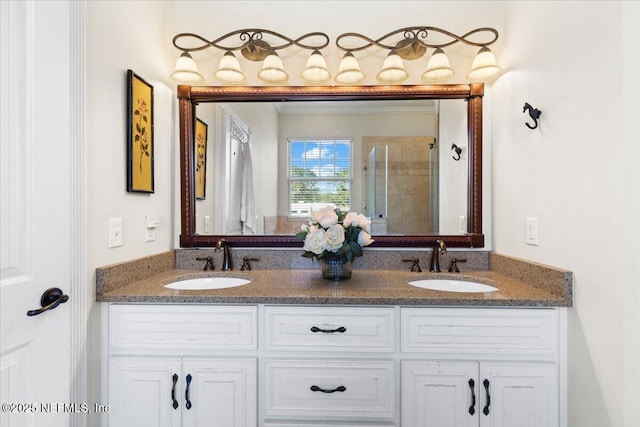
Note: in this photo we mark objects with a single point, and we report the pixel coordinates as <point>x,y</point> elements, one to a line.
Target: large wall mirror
<point>384,151</point>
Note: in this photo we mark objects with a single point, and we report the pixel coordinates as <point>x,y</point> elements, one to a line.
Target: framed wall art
<point>201,158</point>
<point>140,167</point>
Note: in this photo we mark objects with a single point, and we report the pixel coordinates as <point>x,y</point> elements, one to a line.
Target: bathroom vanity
<point>293,349</point>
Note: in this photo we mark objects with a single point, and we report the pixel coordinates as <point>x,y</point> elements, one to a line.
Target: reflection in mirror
<point>270,150</point>
<point>386,159</point>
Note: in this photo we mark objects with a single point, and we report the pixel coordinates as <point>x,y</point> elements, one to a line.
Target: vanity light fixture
<point>413,44</point>
<point>253,47</point>
<point>408,43</point>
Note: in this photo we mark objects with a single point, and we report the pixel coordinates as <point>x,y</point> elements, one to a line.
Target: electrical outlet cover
<point>532,231</point>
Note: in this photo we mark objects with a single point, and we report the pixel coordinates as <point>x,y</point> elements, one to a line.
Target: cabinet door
<point>140,392</point>
<point>221,392</point>
<point>437,394</point>
<point>518,395</point>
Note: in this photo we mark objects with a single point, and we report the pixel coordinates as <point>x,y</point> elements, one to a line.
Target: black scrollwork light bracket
<point>414,43</point>
<point>534,113</point>
<point>252,46</point>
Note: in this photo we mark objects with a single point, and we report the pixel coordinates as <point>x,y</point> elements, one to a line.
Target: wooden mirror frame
<point>190,96</point>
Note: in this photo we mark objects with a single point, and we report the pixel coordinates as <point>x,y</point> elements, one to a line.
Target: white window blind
<point>320,174</point>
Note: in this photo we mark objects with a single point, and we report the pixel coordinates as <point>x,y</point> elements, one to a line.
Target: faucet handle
<point>209,265</point>
<point>415,267</point>
<point>245,263</point>
<point>453,267</point>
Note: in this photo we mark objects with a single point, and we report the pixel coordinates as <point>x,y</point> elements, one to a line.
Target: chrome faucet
<point>223,245</point>
<point>439,246</point>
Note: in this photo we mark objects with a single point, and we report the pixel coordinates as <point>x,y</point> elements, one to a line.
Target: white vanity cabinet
<point>172,365</point>
<point>507,375</point>
<point>338,366</point>
<point>470,394</point>
<point>157,392</point>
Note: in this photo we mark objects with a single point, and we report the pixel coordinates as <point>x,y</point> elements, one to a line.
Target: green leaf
<point>356,249</point>
<point>349,256</point>
<point>308,254</point>
<point>301,235</point>
<point>344,249</point>
<point>351,233</point>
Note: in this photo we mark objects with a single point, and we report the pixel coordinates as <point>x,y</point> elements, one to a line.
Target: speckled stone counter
<point>519,283</point>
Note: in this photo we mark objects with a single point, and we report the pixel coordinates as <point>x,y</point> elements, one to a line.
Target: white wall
<point>205,207</point>
<point>212,19</point>
<point>453,174</point>
<point>120,36</point>
<point>578,173</point>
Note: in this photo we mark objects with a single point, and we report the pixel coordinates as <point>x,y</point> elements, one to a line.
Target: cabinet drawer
<point>334,329</point>
<point>522,332</point>
<point>177,327</point>
<point>329,389</point>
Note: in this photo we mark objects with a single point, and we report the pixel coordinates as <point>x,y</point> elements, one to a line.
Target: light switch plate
<point>532,232</point>
<point>116,237</point>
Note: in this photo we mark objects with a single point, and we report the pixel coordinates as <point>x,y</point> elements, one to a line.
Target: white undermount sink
<point>452,285</point>
<point>204,283</point>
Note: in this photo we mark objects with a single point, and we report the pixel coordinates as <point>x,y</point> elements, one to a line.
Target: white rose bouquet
<point>333,232</point>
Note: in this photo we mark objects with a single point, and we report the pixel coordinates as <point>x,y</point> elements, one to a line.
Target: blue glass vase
<point>335,267</point>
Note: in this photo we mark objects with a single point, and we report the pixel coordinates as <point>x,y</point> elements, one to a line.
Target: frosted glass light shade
<point>273,70</point>
<point>229,70</point>
<point>393,69</point>
<point>316,70</point>
<point>186,70</point>
<point>484,65</point>
<point>438,67</point>
<point>349,71</point>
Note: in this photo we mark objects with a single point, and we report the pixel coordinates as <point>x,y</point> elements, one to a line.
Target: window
<point>319,175</point>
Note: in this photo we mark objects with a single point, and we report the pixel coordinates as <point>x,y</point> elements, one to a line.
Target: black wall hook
<point>534,113</point>
<point>458,150</point>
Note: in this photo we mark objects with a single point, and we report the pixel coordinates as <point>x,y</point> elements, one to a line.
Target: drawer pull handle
<point>339,388</point>
<point>173,391</point>
<point>186,393</point>
<point>341,329</point>
<point>486,389</point>
<point>472,408</point>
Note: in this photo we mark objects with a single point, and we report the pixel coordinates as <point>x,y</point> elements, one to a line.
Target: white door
<point>35,361</point>
<point>236,134</point>
<point>519,394</point>
<point>437,394</point>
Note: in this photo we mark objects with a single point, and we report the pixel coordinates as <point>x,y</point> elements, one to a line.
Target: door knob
<point>51,298</point>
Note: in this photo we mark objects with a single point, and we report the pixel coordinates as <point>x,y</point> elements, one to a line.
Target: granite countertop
<point>366,287</point>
